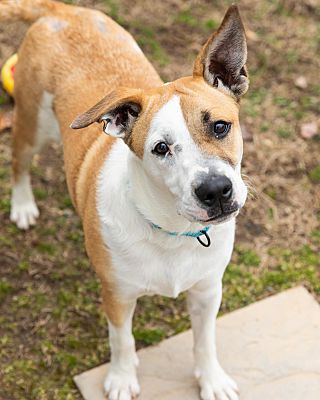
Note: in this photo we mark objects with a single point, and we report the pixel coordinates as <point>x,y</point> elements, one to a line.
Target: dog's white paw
<point>24,214</point>
<point>216,385</point>
<point>24,210</point>
<point>120,385</point>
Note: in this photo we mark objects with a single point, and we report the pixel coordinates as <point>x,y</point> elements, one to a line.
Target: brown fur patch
<point>152,102</point>
<point>113,305</point>
<point>110,102</point>
<point>196,96</point>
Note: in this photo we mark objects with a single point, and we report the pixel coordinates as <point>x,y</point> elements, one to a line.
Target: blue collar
<point>197,234</point>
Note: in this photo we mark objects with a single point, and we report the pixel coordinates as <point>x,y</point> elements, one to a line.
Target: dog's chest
<point>145,268</point>
<point>148,270</point>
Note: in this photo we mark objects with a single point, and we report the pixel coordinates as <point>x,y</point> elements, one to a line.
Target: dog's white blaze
<point>172,176</point>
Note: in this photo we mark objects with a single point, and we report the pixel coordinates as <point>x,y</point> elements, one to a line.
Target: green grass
<point>244,282</point>
<point>4,99</point>
<point>40,193</point>
<point>248,257</point>
<point>149,336</point>
<point>314,174</point>
<point>211,25</point>
<point>112,10</point>
<point>284,132</point>
<point>5,288</point>
<point>146,39</point>
<point>186,18</point>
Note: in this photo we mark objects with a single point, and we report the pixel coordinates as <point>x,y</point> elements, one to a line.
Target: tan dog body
<point>88,81</point>
<point>71,58</point>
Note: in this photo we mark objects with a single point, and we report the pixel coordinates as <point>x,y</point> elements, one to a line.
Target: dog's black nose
<point>213,190</point>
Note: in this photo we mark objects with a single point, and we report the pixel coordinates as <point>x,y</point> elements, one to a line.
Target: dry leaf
<point>309,130</point>
<point>251,35</point>
<point>246,134</point>
<point>5,120</point>
<point>301,82</point>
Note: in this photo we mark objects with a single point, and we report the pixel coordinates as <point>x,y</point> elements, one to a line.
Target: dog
<point>158,188</point>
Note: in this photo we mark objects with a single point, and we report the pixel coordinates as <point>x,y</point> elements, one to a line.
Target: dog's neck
<point>154,201</point>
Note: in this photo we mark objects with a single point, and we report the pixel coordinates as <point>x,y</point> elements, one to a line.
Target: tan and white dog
<point>164,171</point>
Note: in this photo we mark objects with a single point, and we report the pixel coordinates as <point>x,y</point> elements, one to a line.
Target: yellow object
<point>7,73</point>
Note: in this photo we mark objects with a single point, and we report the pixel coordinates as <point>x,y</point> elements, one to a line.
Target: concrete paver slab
<point>271,348</point>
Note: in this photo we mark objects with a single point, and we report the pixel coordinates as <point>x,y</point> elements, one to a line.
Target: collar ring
<point>204,244</point>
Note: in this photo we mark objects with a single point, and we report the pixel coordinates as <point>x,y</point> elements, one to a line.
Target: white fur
<point>121,381</point>
<point>110,125</point>
<point>136,47</point>
<point>132,194</point>
<point>24,210</point>
<point>203,303</point>
<point>111,128</point>
<point>48,126</point>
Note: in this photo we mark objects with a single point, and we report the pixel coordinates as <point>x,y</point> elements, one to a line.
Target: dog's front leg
<point>203,302</point>
<point>121,382</point>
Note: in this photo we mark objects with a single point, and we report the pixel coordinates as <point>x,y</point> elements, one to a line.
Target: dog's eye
<point>161,149</point>
<point>221,129</point>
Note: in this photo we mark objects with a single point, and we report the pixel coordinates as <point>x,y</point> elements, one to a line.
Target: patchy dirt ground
<point>51,325</point>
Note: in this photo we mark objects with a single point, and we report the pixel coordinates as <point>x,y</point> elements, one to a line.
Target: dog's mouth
<point>223,211</point>
<point>223,217</point>
<point>217,215</point>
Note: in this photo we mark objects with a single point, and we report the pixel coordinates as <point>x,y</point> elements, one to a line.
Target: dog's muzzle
<point>215,195</point>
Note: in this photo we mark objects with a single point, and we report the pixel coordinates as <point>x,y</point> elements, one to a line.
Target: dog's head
<point>186,133</point>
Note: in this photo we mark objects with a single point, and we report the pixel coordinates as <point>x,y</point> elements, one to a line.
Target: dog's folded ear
<point>222,59</point>
<point>118,111</point>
